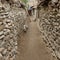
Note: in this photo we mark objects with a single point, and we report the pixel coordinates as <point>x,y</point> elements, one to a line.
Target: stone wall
<point>12,20</point>
<point>49,22</point>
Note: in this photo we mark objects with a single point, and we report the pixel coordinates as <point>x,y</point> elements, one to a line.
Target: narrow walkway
<point>31,46</point>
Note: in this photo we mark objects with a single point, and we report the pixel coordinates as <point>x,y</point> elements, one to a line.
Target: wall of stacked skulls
<point>12,20</point>
<point>49,22</point>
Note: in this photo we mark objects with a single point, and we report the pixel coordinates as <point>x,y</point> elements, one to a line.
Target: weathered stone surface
<point>12,20</point>
<point>50,28</point>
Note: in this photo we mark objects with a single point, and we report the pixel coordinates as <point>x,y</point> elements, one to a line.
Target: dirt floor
<point>31,45</point>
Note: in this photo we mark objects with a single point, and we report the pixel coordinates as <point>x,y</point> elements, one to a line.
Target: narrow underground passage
<point>31,45</point>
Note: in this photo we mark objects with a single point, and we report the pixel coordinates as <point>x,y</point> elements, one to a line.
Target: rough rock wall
<point>50,29</point>
<point>11,25</point>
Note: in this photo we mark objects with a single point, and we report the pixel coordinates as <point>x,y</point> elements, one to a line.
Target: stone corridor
<point>31,45</point>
